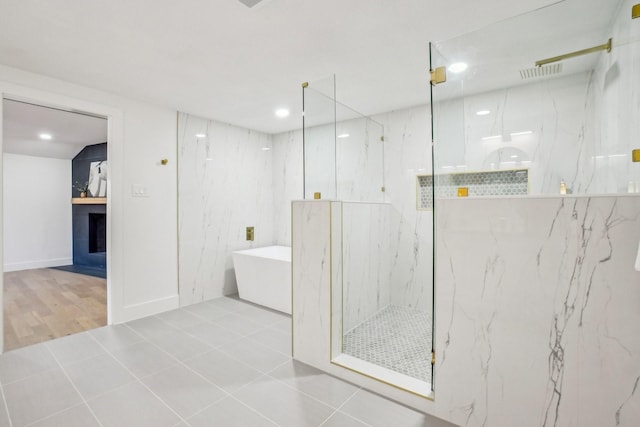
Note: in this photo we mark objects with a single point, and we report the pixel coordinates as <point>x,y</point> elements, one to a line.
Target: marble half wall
<point>224,185</point>
<point>537,318</point>
<point>537,311</point>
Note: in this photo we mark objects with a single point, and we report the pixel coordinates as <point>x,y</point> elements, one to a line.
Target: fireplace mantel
<point>89,201</point>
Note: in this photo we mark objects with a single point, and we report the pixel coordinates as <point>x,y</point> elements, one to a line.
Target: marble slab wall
<point>615,101</point>
<point>224,185</point>
<point>407,153</point>
<point>577,128</point>
<point>360,160</point>
<point>536,320</point>
<point>345,160</point>
<point>365,249</point>
<point>539,126</point>
<point>287,181</point>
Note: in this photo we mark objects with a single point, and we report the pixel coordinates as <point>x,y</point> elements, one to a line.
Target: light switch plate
<point>138,190</point>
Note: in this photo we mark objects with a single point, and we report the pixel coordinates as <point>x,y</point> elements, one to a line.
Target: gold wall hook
<point>164,161</point>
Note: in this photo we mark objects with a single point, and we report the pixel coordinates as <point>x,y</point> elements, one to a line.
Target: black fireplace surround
<point>89,221</point>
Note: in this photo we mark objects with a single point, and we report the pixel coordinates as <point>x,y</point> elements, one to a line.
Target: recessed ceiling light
<point>266,148</point>
<point>343,135</point>
<point>458,67</point>
<point>486,138</point>
<point>515,156</point>
<point>526,132</point>
<point>201,135</point>
<point>282,113</point>
<point>483,113</point>
<point>45,136</point>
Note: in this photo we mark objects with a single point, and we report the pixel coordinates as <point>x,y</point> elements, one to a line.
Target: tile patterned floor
<point>396,338</point>
<point>219,363</point>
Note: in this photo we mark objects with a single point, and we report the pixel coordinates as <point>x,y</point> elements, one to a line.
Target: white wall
<point>142,231</point>
<point>37,212</point>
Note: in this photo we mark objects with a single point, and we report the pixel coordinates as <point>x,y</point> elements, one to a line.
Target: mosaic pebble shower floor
<point>396,338</point>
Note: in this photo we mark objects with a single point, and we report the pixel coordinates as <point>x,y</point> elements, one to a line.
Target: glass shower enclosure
<point>382,257</point>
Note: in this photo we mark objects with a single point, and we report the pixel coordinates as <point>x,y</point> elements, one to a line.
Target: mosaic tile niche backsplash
<point>473,184</point>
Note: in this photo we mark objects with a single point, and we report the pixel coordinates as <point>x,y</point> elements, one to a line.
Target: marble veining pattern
<point>287,181</point>
<point>556,307</point>
<point>366,277</point>
<point>217,200</point>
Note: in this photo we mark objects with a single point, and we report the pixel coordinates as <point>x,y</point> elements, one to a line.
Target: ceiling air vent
<point>544,71</point>
<point>249,3</point>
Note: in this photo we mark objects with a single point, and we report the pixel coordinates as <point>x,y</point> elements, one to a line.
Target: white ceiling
<point>220,59</point>
<point>71,132</point>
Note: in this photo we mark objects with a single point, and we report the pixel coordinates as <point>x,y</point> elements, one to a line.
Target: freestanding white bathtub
<point>264,276</point>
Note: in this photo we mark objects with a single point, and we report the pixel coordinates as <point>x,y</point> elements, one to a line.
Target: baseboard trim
<point>145,309</point>
<point>31,265</point>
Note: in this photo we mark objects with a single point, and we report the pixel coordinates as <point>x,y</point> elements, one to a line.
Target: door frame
<point>115,138</point>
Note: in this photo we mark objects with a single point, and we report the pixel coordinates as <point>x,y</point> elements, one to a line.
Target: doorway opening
<point>55,238</point>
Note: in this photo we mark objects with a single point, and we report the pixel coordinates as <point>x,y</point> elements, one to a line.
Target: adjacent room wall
<point>37,212</point>
<point>142,231</point>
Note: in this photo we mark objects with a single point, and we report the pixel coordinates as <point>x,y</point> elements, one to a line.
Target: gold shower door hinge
<point>439,75</point>
<point>433,358</point>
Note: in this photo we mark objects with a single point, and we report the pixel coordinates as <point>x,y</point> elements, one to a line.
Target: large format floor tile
<point>132,406</point>
<point>183,390</point>
<point>284,405</point>
<point>219,363</point>
<point>78,416</point>
<point>230,413</point>
<point>39,396</point>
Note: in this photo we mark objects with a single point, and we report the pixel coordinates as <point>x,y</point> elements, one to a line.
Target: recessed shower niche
<point>514,182</point>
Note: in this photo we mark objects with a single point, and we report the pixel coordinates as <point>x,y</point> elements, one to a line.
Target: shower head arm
<point>606,46</point>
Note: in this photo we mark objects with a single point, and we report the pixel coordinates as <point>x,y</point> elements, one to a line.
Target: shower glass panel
<point>566,127</point>
<point>319,140</point>
<point>343,149</point>
<point>382,257</point>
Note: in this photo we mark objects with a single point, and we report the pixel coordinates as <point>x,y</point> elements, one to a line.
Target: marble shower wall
<point>407,153</point>
<point>615,102</point>
<point>287,181</point>
<point>539,126</point>
<point>404,244</point>
<point>360,160</point>
<point>577,128</point>
<point>345,161</point>
<point>224,185</point>
<point>366,272</point>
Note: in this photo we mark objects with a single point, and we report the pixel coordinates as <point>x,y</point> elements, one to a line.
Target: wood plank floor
<point>43,304</point>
